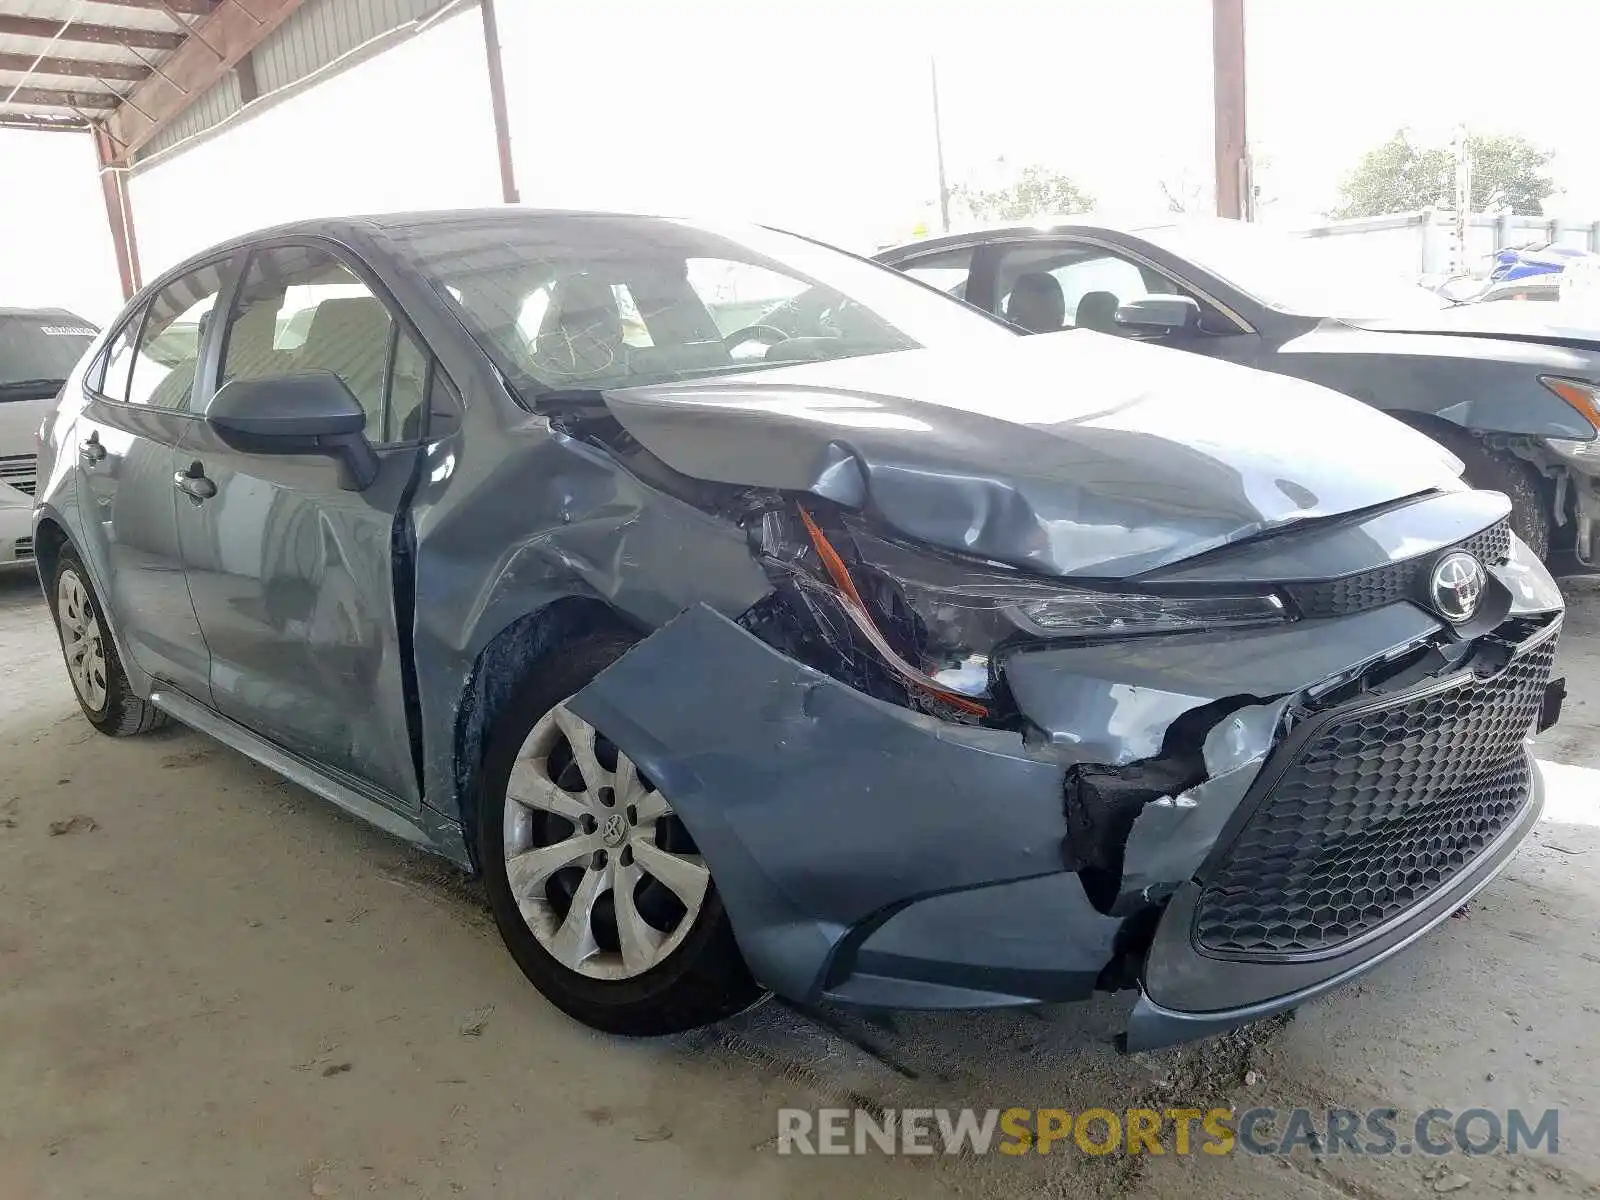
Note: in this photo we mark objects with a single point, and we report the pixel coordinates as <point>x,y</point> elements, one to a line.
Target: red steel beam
<point>217,45</point>
<point>119,213</point>
<point>194,8</point>
<point>104,35</point>
<point>497,103</point>
<point>83,68</point>
<point>1228,78</point>
<point>60,97</point>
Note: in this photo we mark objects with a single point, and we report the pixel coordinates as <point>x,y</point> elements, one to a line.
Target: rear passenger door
<point>293,577</point>
<point>138,407</point>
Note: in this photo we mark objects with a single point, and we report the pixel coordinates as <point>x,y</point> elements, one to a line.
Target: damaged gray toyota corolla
<point>753,617</point>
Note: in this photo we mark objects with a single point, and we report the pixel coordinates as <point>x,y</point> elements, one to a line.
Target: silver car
<point>750,616</point>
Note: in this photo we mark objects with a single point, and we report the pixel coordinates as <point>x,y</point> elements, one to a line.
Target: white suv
<point>38,349</point>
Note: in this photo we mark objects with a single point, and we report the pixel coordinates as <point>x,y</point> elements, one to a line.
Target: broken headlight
<point>965,612</point>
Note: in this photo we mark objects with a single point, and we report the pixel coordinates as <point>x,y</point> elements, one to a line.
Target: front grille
<point>19,470</point>
<point>1376,810</point>
<point>1397,581</point>
<point>23,548</point>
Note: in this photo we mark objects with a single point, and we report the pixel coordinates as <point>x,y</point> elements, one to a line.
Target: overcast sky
<point>816,116</point>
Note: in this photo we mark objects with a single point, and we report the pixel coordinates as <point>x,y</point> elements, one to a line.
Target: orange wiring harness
<point>840,574</point>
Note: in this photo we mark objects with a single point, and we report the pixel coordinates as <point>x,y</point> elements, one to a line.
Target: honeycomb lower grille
<point>1397,581</point>
<point>1374,813</point>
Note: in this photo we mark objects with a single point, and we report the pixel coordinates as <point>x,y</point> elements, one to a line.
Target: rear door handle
<point>92,452</point>
<point>194,484</point>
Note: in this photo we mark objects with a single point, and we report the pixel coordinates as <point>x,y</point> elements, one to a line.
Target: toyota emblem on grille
<point>1456,586</point>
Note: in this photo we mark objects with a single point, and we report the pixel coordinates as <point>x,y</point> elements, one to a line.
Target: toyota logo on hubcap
<point>614,830</point>
<point>1456,586</point>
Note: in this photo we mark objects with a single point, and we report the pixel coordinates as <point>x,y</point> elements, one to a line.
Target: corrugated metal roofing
<point>112,46</point>
<point>50,36</point>
<point>318,35</point>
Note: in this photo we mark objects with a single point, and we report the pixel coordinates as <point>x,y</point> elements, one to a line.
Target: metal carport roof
<point>147,77</point>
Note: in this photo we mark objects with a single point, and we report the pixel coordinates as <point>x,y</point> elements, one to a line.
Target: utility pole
<point>938,147</point>
<point>1463,205</point>
<point>1234,185</point>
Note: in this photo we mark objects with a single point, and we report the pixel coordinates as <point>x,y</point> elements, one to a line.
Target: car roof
<point>1080,223</point>
<point>40,312</point>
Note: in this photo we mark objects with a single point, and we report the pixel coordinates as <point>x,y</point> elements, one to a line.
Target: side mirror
<point>1159,314</point>
<point>311,412</point>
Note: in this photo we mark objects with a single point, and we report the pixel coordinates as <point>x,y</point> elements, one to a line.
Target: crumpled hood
<point>1559,324</point>
<point>1067,454</point>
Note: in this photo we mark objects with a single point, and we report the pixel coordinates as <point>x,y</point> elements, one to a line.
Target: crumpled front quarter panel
<point>816,806</point>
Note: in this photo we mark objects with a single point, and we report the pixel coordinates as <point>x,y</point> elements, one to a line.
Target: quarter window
<point>947,270</point>
<point>113,383</point>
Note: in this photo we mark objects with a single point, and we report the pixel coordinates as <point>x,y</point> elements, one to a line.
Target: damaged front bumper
<point>872,855</point>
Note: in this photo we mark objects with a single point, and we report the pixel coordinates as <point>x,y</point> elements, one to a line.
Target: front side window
<point>1073,286</point>
<point>169,343</point>
<point>302,309</point>
<point>597,301</point>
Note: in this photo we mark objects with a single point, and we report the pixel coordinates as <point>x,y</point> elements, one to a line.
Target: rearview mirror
<point>1159,314</point>
<point>312,412</point>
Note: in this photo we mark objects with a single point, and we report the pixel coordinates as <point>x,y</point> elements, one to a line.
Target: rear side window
<point>302,309</point>
<point>169,344</point>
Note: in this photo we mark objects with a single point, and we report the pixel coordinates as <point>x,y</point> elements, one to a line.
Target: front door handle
<point>92,452</point>
<point>194,484</point>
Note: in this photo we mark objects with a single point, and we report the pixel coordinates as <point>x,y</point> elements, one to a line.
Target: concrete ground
<point>214,984</point>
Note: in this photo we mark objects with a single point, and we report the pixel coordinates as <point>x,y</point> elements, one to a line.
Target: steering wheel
<point>766,335</point>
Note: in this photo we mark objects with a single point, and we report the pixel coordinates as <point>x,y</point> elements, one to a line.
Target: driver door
<point>292,576</point>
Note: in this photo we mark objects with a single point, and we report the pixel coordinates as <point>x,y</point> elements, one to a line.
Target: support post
<point>1228,79</point>
<point>497,101</point>
<point>938,148</point>
<point>119,213</point>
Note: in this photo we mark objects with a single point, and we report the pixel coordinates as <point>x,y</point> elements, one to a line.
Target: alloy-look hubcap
<point>81,640</point>
<point>603,873</point>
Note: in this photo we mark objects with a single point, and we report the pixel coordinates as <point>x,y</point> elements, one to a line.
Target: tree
<point>1186,194</point>
<point>1400,175</point>
<point>1037,192</point>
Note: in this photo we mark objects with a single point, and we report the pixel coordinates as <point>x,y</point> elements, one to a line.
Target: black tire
<point>704,980</point>
<point>122,713</point>
<point>1522,484</point>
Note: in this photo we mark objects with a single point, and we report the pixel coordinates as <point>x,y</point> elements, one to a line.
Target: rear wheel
<point>1498,471</point>
<point>98,680</point>
<point>597,887</point>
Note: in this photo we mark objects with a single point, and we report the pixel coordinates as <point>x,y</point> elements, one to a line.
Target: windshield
<point>595,301</point>
<point>41,347</point>
<point>1310,276</point>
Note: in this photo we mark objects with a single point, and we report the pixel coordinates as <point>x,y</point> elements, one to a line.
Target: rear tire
<point>98,680</point>
<point>1519,481</point>
<point>666,976</point>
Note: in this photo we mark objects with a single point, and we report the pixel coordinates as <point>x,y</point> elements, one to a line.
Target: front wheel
<point>1503,472</point>
<point>597,888</point>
